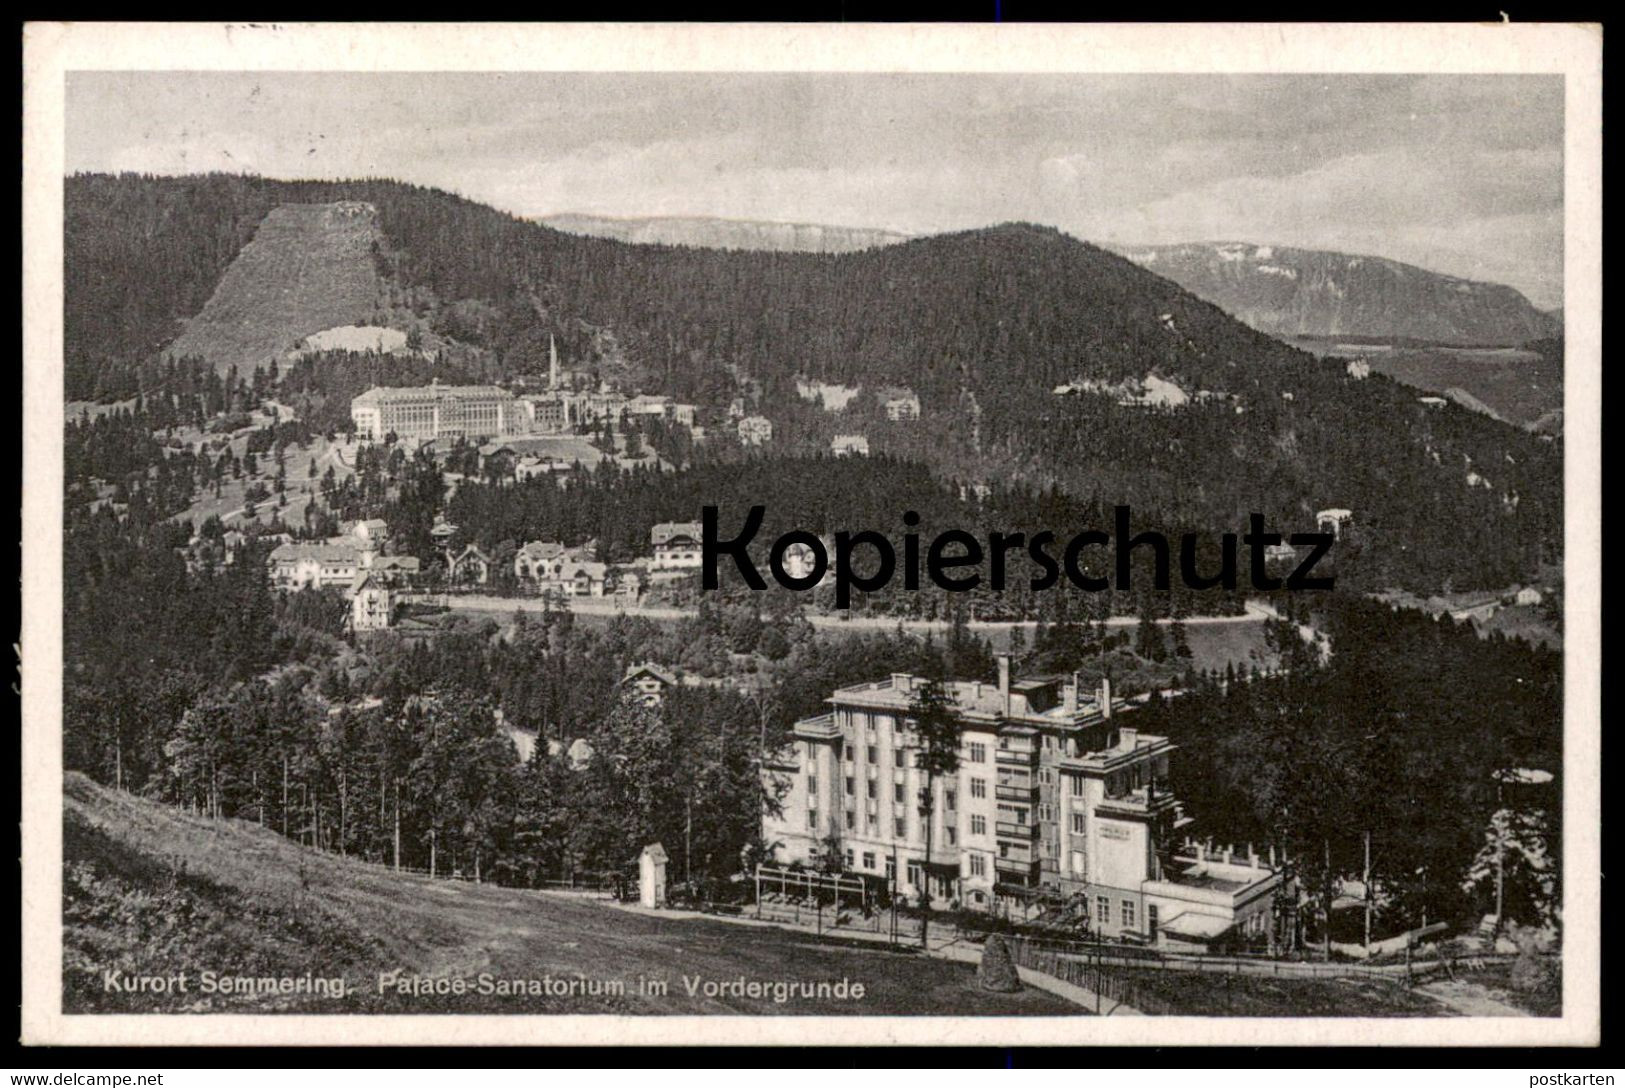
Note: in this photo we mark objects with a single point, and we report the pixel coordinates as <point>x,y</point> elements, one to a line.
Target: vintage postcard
<point>610,534</point>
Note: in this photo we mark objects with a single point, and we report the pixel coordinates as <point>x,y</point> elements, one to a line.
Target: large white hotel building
<point>420,413</point>
<point>1056,792</point>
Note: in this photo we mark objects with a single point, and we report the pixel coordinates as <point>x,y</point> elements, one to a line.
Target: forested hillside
<point>983,325</point>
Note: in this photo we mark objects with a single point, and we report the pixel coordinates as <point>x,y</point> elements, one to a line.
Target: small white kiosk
<point>652,876</point>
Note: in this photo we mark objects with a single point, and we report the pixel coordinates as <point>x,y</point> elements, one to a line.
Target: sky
<point>1459,174</point>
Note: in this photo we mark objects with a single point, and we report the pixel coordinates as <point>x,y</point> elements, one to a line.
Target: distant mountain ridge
<point>1291,292</point>
<point>717,233</point>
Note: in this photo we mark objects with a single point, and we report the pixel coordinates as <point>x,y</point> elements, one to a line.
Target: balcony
<point>1025,832</point>
<point>1141,804</point>
<point>1026,794</point>
<point>1017,757</point>
<point>1014,871</point>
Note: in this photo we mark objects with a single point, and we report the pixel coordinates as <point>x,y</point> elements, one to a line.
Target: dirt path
<point>1469,998</point>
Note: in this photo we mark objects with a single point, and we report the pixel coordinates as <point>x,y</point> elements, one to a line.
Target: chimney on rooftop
<point>1128,737</point>
<point>1105,696</point>
<point>1004,681</point>
<point>1069,695</point>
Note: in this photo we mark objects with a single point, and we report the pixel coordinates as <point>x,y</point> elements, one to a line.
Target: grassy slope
<point>151,890</point>
<point>309,268</point>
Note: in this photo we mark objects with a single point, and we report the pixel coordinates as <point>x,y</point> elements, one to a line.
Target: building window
<point>849,857</point>
<point>951,834</point>
<point>891,868</point>
<point>851,821</point>
<point>1128,914</point>
<point>978,825</point>
<point>899,757</point>
<point>874,790</point>
<point>978,787</point>
<point>950,799</point>
<point>900,827</point>
<point>1076,782</point>
<point>874,754</point>
<point>812,785</point>
<point>812,818</point>
<point>977,753</point>
<point>868,859</point>
<point>1151,919</point>
<point>849,790</point>
<point>1077,823</point>
<point>898,793</point>
<point>978,865</point>
<point>1103,910</point>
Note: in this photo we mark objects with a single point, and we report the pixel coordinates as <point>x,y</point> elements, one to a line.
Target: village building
<point>1057,797</point>
<point>845,445</point>
<point>754,430</point>
<point>1359,369</point>
<point>420,413</point>
<point>627,582</point>
<point>1333,521</point>
<point>685,414</point>
<point>901,405</point>
<point>676,546</point>
<point>372,604</point>
<point>471,566</point>
<point>441,532</point>
<point>648,405</point>
<point>1280,553</point>
<point>550,567</point>
<point>647,682</point>
<point>800,561</point>
<point>314,566</point>
<point>545,413</point>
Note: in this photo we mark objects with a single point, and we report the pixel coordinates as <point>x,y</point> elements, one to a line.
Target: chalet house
<point>1359,369</point>
<point>647,682</point>
<point>394,570</point>
<point>754,430</point>
<point>498,459</point>
<point>628,582</point>
<point>676,545</point>
<point>471,566</point>
<point>684,414</point>
<point>845,445</point>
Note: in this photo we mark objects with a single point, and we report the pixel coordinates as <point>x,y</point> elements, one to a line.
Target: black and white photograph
<point>808,539</point>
